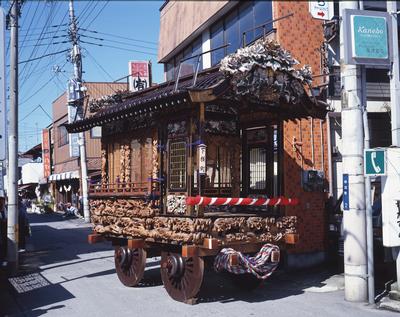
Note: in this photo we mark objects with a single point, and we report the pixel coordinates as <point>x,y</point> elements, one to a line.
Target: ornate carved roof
<point>262,74</point>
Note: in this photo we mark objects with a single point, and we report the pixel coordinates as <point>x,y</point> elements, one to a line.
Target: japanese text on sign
<point>202,159</point>
<point>370,37</point>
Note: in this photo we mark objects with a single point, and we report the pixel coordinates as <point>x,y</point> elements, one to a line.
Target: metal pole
<point>355,244</point>
<point>12,213</point>
<point>368,200</point>
<point>394,99</point>
<point>77,62</point>
<point>329,146</point>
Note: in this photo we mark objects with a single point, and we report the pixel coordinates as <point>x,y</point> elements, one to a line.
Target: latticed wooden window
<point>177,165</point>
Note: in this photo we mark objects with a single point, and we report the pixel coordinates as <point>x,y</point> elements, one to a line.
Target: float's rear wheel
<point>130,265</point>
<point>182,277</point>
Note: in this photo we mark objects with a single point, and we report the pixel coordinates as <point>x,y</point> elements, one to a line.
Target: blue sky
<point>42,81</point>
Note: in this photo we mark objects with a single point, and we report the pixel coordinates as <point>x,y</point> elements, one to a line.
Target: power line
<point>44,85</point>
<point>120,48</point>
<point>119,42</point>
<point>122,37</point>
<point>48,38</point>
<point>30,24</point>
<point>33,110</point>
<point>50,26</point>
<point>87,12</point>
<point>27,67</point>
<point>99,65</point>
<point>98,13</point>
<point>102,68</point>
<point>40,57</point>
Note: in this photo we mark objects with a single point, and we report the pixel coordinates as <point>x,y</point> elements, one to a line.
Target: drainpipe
<point>329,145</point>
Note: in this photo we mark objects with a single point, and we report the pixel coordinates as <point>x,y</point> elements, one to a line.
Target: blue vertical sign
<point>346,204</point>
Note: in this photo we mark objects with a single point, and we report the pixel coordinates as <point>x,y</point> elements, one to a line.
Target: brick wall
<point>302,36</point>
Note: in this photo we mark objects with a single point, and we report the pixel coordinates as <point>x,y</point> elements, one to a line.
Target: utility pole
<point>355,246</point>
<point>76,59</point>
<point>394,101</point>
<point>12,209</point>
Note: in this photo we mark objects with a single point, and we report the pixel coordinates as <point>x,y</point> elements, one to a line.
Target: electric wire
<point>30,25</point>
<point>118,42</point>
<point>26,68</point>
<point>33,110</point>
<point>46,49</point>
<point>119,36</point>
<point>98,13</point>
<point>40,57</point>
<point>38,90</point>
<point>102,68</point>
<point>120,48</point>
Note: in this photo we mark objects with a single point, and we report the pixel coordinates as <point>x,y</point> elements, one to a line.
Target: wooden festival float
<point>192,170</point>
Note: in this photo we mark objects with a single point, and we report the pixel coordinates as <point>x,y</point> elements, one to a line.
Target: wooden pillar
<point>161,174</point>
<point>104,167</point>
<point>201,178</point>
<point>190,163</point>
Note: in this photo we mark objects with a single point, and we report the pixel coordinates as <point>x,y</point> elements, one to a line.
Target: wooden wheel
<point>129,264</point>
<point>182,277</point>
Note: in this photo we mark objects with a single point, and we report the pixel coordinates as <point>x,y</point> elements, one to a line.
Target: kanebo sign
<point>367,37</point>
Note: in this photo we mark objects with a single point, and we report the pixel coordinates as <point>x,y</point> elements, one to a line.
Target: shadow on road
<point>55,243</point>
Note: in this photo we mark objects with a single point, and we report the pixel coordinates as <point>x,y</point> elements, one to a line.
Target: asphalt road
<point>61,275</point>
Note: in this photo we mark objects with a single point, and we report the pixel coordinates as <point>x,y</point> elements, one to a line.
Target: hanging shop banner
<point>3,129</point>
<point>46,152</point>
<point>73,137</point>
<point>140,75</point>
<point>367,37</point>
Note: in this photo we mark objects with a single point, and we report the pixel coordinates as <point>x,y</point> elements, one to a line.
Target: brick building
<point>188,28</point>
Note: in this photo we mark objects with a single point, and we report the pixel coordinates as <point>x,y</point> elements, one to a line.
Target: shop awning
<point>43,181</point>
<point>26,186</point>
<point>63,176</point>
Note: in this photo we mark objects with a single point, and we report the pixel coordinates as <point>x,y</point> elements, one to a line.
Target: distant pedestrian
<point>23,224</point>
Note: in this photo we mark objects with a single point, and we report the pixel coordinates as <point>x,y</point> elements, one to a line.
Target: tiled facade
<point>302,36</point>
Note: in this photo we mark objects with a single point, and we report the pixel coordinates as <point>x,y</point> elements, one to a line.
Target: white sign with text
<point>322,10</point>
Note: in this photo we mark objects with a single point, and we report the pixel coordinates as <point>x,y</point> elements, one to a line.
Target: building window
<point>246,22</point>
<point>230,29</point>
<point>217,40</point>
<point>62,135</point>
<point>189,66</point>
<point>95,132</point>
<point>232,35</point>
<point>177,165</point>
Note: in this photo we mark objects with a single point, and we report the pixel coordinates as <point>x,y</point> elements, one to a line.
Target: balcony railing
<point>224,189</point>
<point>120,189</point>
